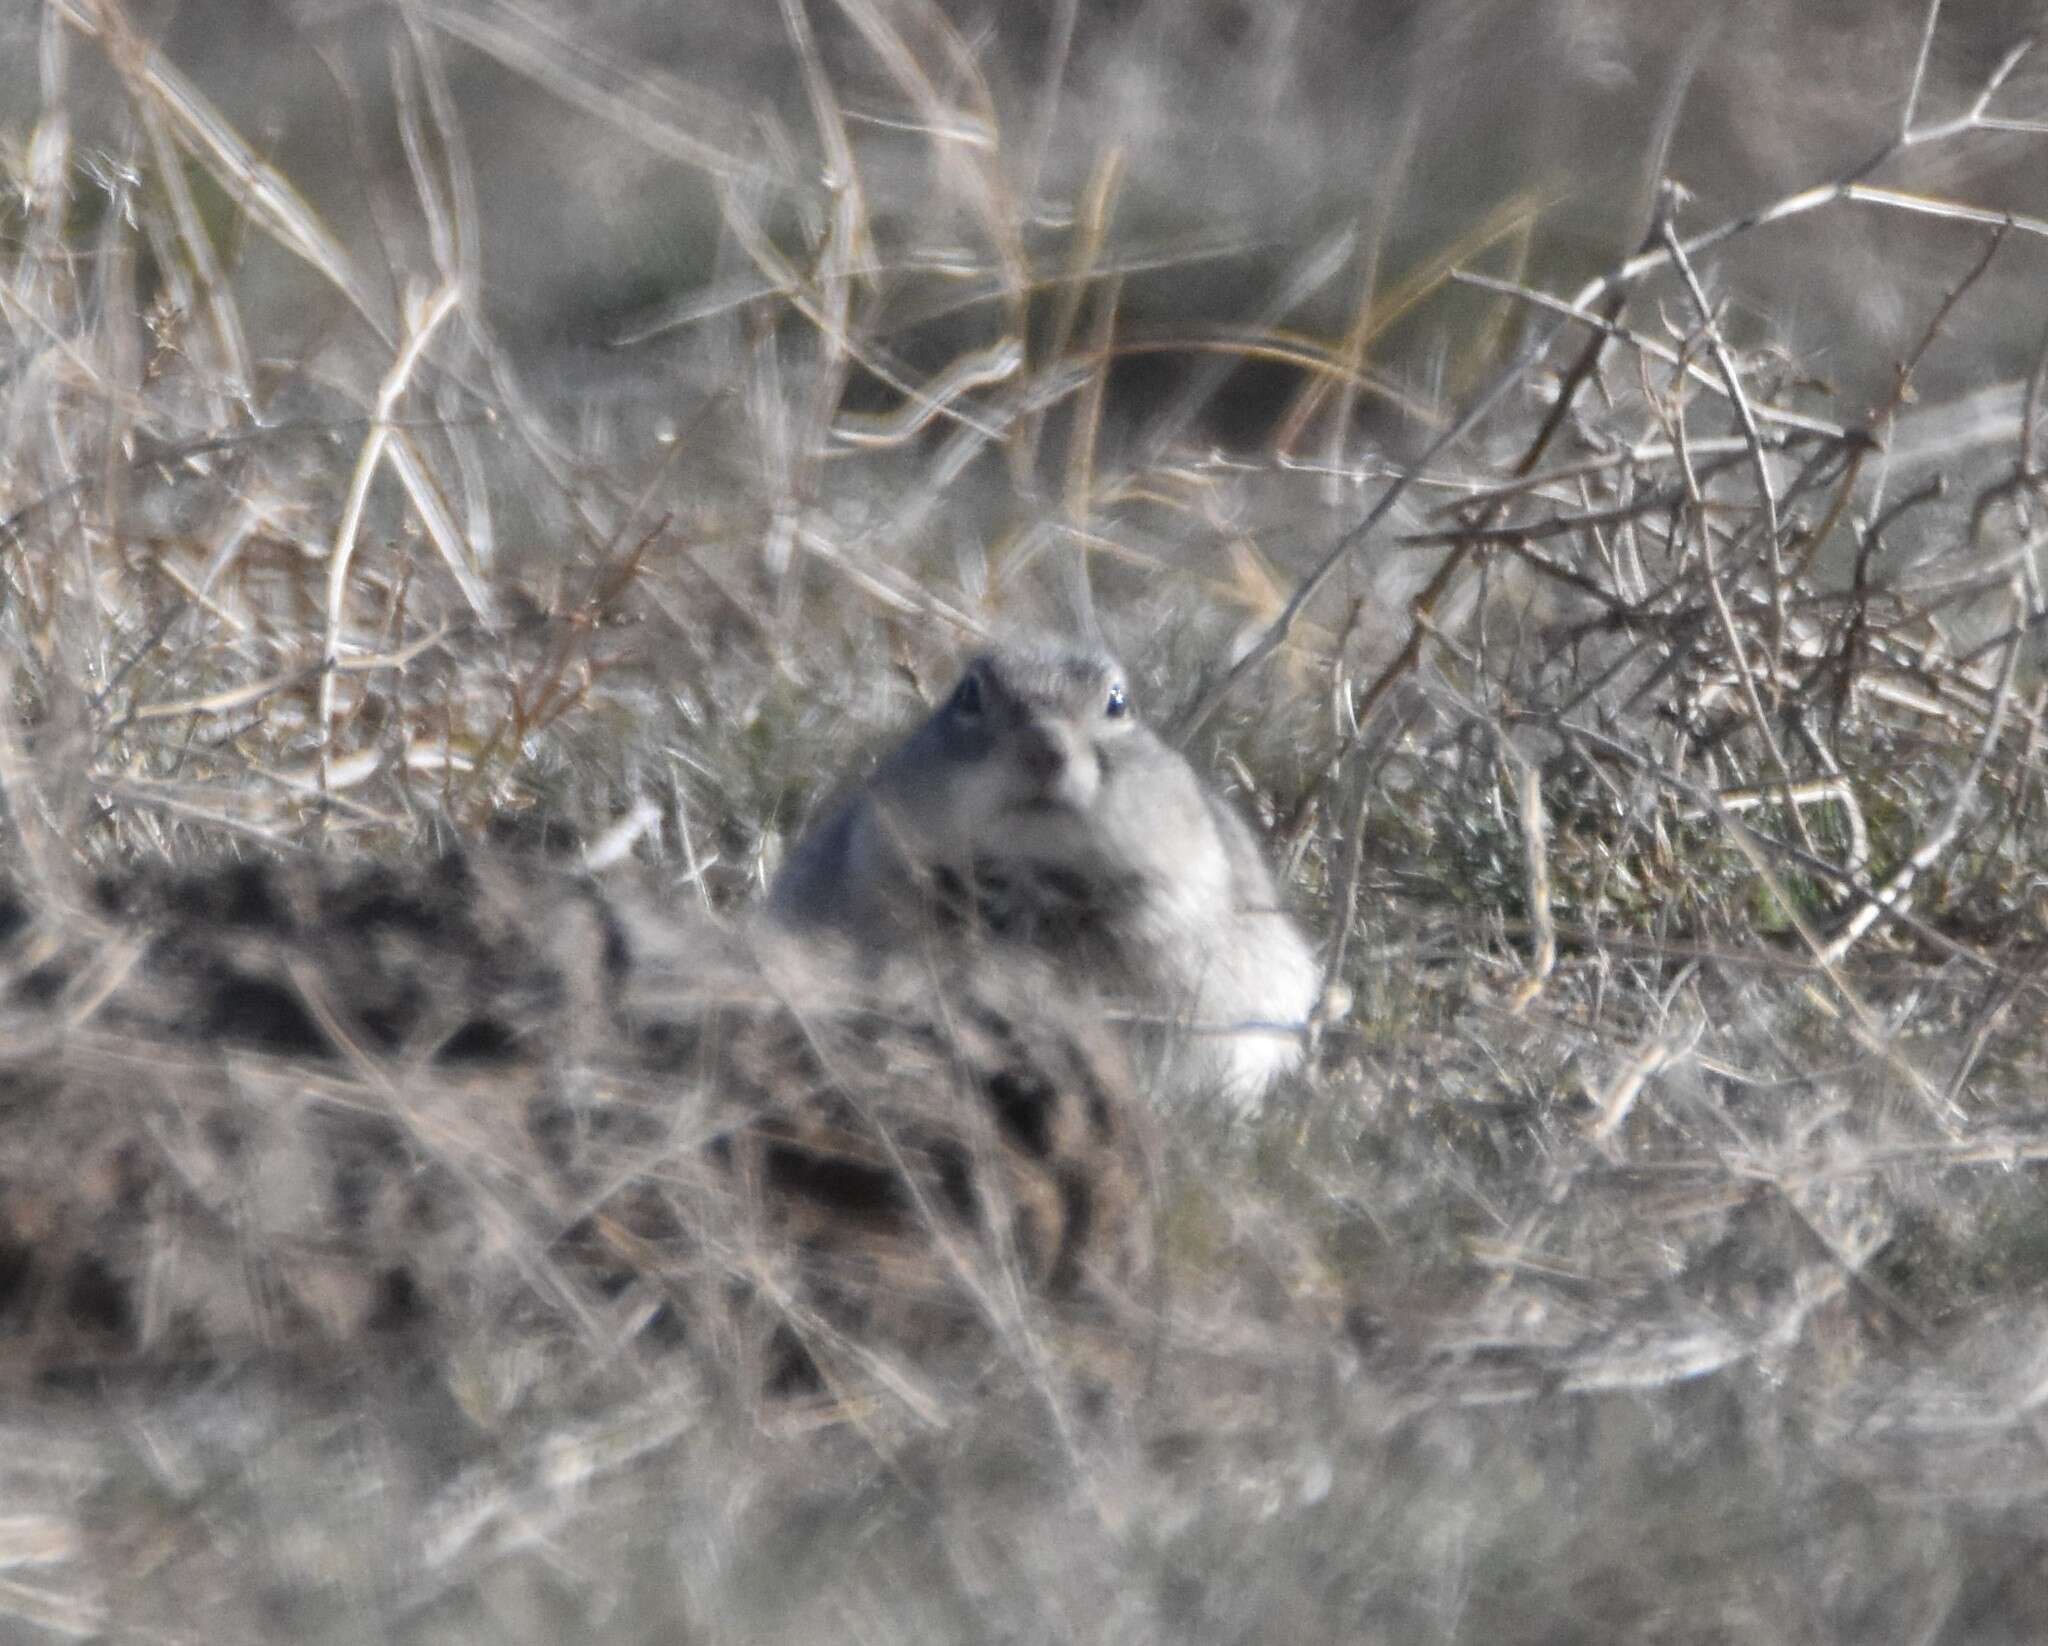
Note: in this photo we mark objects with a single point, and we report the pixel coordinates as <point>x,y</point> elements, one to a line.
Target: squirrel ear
<point>967,697</point>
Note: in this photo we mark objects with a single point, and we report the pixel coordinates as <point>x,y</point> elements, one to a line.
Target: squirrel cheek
<point>1084,779</point>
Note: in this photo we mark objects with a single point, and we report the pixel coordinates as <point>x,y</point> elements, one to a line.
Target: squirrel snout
<point>1041,752</point>
<point>1053,762</point>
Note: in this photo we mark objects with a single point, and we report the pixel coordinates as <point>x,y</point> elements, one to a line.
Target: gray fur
<point>1028,806</point>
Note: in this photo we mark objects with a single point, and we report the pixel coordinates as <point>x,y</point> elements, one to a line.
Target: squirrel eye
<point>967,698</point>
<point>1117,705</point>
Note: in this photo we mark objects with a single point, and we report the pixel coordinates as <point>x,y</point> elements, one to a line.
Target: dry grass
<point>1652,731</point>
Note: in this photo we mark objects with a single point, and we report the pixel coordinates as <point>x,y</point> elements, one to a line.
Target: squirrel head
<point>1032,730</point>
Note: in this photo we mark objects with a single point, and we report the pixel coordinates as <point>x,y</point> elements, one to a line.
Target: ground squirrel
<point>1036,804</point>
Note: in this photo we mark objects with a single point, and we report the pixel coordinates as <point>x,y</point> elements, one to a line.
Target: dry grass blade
<point>258,187</point>
<point>396,381</point>
<point>477,478</point>
<point>658,110</point>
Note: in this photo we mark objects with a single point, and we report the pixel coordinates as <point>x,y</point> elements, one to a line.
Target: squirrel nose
<point>1041,753</point>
